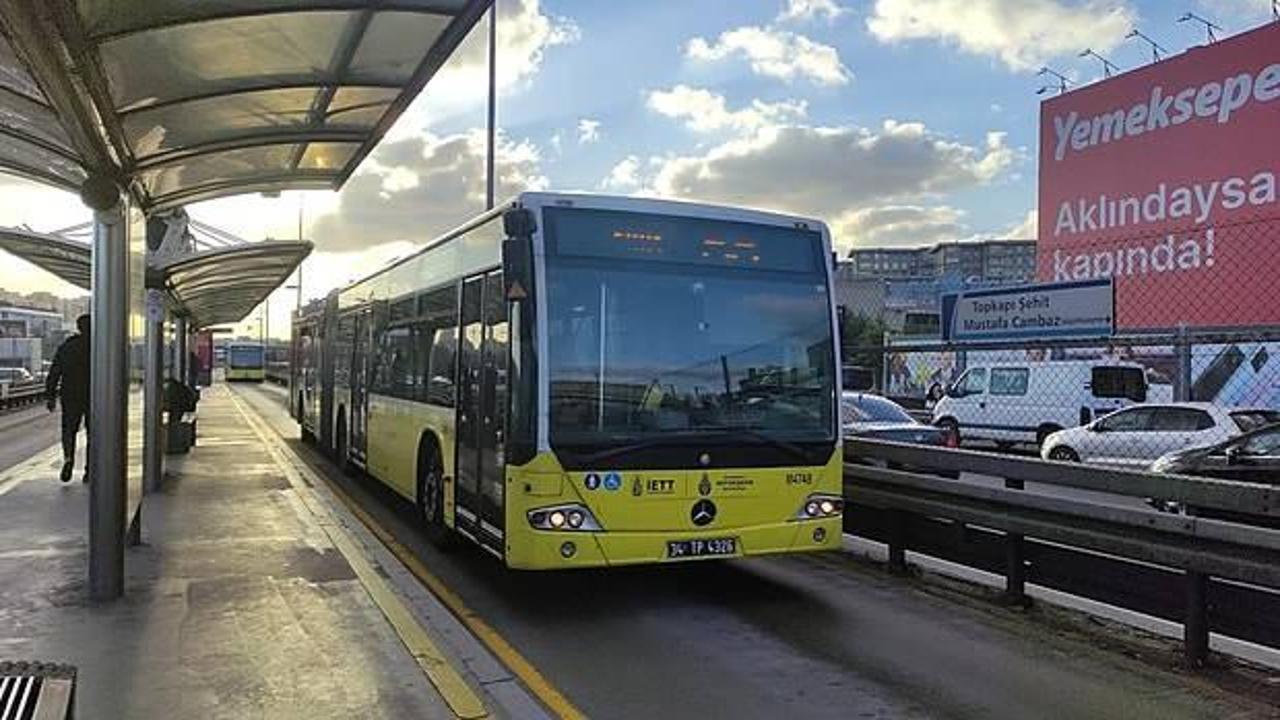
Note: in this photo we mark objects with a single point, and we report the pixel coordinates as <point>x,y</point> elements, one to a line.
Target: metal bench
<point>36,691</point>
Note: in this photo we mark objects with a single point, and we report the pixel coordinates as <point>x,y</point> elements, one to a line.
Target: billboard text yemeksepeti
<point>1164,178</point>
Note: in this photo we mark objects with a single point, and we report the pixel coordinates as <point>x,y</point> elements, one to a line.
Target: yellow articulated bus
<point>577,380</point>
<point>245,362</point>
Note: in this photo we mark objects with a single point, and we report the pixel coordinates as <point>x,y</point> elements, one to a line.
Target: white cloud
<point>588,131</point>
<point>624,176</point>
<point>1027,229</point>
<point>416,188</point>
<point>798,10</point>
<point>1023,34</point>
<point>706,111</point>
<point>897,225</point>
<point>1243,12</point>
<point>254,217</point>
<point>775,53</point>
<point>832,171</point>
<point>525,33</point>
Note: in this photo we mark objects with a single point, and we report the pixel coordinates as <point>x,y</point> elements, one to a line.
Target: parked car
<point>1136,436</point>
<point>857,378</point>
<point>1251,457</point>
<point>1012,403</point>
<point>15,375</point>
<point>863,415</point>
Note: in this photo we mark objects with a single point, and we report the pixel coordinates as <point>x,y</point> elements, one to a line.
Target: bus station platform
<point>251,595</point>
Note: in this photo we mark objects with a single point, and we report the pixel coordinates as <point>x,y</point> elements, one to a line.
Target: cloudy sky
<point>899,122</point>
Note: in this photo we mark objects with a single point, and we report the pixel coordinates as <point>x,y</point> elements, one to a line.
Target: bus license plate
<point>677,549</point>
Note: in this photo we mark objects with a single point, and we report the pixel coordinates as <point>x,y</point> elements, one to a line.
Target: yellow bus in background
<point>575,380</point>
<point>246,362</point>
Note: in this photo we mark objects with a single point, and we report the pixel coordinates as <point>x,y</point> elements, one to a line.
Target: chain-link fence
<point>1194,361</point>
<point>1125,402</point>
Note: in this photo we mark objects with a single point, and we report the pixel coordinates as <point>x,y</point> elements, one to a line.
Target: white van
<point>1009,403</point>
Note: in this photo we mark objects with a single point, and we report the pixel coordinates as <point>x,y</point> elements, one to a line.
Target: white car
<point>15,375</point>
<point>1136,436</point>
<point>1009,403</point>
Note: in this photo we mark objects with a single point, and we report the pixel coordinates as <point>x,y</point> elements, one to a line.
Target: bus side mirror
<point>519,223</point>
<point>517,268</point>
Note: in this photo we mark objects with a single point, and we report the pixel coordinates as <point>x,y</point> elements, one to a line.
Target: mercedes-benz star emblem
<point>704,511</point>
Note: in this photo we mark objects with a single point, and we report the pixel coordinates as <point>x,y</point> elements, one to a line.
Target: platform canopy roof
<point>182,101</point>
<point>61,256</point>
<point>210,287</point>
<point>224,285</point>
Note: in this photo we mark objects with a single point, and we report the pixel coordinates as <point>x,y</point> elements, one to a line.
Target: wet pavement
<point>238,604</point>
<point>803,636</point>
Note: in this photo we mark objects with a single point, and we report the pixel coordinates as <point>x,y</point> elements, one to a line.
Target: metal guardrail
<point>1069,544</point>
<point>18,394</point>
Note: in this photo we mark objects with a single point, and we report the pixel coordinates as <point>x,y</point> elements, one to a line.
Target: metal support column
<point>491,149</point>
<point>180,360</point>
<point>153,394</point>
<point>1195,625</point>
<point>1015,546</point>
<point>897,542</point>
<point>1182,384</point>
<point>109,398</point>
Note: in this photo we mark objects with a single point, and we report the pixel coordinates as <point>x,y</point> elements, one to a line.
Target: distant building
<point>902,287</point>
<point>859,295</point>
<point>985,262</point>
<point>33,322</point>
<point>22,352</point>
<point>890,263</point>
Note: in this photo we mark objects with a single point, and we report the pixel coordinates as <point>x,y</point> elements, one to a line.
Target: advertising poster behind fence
<point>1164,178</point>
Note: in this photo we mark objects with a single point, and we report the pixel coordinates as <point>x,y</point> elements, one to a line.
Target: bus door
<point>325,379</point>
<point>360,385</point>
<point>467,458</point>
<point>493,409</point>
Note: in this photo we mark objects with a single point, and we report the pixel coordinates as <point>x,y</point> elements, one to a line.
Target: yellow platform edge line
<point>523,669</point>
<point>456,693</point>
<point>548,694</point>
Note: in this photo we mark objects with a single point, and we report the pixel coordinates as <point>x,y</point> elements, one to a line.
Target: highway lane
<point>25,432</point>
<point>812,637</point>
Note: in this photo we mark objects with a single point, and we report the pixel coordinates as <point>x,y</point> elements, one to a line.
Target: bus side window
<point>423,344</point>
<point>397,377</point>
<point>437,339</point>
<point>342,352</point>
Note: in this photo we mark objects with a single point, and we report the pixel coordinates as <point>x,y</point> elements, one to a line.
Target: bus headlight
<point>570,517</point>
<point>818,507</point>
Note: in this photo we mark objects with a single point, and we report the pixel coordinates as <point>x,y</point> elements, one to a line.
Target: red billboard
<point>1164,178</point>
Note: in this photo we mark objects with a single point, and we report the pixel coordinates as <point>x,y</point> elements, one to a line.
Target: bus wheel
<point>431,497</point>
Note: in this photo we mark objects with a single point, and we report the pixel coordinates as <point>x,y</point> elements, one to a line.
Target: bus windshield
<point>660,325</point>
<point>245,356</point>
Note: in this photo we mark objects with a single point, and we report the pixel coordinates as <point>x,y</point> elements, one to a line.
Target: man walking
<point>69,379</point>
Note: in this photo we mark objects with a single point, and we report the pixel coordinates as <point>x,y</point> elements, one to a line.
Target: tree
<point>862,341</point>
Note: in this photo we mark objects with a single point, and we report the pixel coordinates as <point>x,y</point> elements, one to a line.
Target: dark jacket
<point>69,375</point>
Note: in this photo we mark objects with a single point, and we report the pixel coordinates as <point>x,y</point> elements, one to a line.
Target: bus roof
<point>604,202</point>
